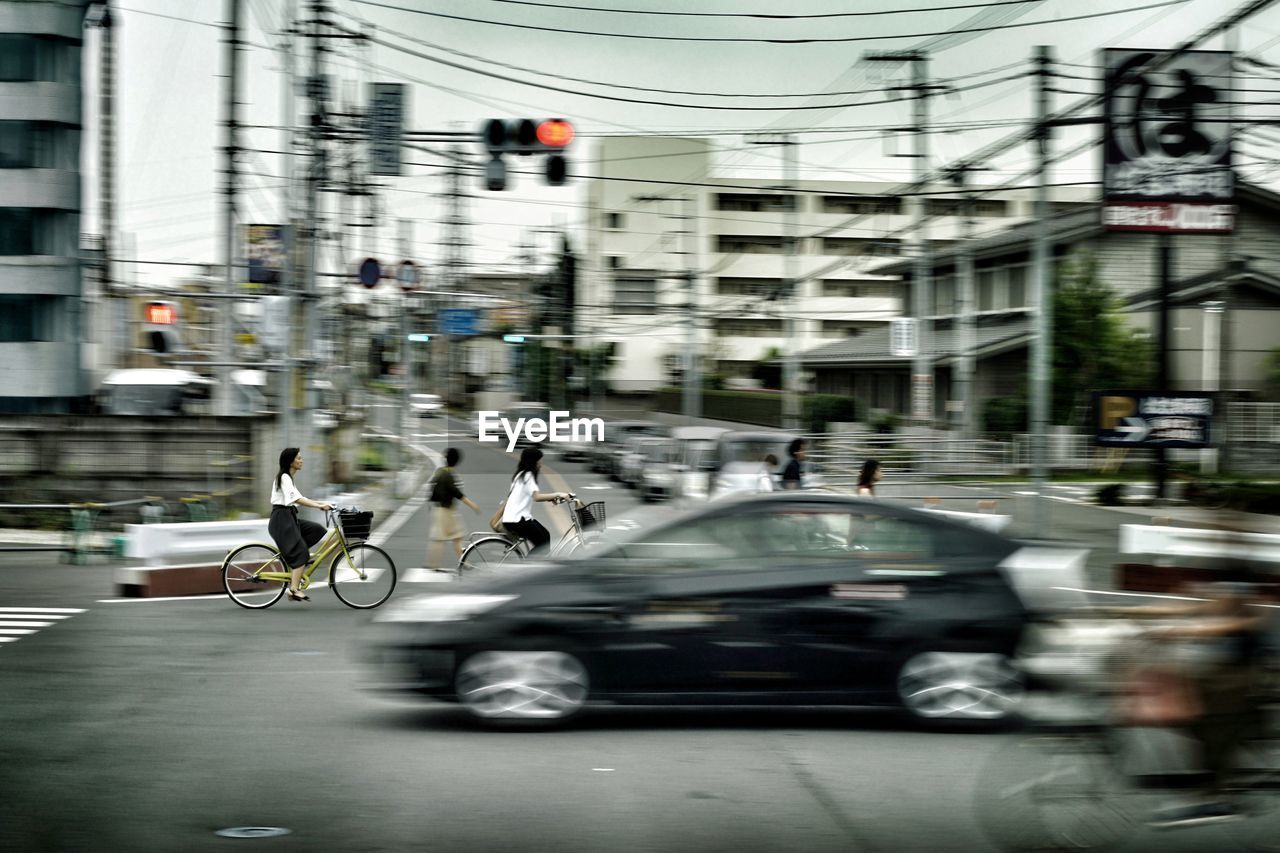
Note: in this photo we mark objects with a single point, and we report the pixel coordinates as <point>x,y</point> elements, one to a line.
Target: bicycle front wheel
<point>241,572</point>
<point>486,554</point>
<point>364,577</point>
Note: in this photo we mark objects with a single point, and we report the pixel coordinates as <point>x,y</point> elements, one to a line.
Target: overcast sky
<point>171,92</point>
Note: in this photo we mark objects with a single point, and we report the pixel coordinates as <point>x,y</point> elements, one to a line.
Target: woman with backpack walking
<point>445,491</point>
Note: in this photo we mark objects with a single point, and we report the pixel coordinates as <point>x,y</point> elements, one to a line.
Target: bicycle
<point>361,575</point>
<point>1090,782</point>
<point>487,551</point>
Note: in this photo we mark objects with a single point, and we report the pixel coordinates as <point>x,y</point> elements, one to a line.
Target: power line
<point>767,16</point>
<point>840,40</point>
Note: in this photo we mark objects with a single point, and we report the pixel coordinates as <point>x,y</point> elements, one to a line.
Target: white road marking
<point>41,610</point>
<point>219,597</point>
<point>17,630</point>
<point>7,639</point>
<point>25,624</point>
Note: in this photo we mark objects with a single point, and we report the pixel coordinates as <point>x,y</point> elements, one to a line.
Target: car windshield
<point>697,453</point>
<point>755,449</point>
<point>662,452</point>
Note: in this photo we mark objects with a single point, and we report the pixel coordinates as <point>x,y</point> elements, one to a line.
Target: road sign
<point>902,337</point>
<point>370,272</point>
<point>459,321</point>
<point>1152,419</point>
<point>1167,142</point>
<point>407,275</point>
<point>420,338</point>
<point>386,124</point>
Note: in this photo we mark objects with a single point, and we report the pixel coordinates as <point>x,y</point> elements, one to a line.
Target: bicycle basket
<point>355,525</point>
<point>591,515</point>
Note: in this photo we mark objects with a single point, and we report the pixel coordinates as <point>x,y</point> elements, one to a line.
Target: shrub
<point>1111,494</point>
<point>822,409</point>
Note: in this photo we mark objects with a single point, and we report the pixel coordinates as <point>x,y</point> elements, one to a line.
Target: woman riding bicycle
<point>292,535</point>
<point>517,515</point>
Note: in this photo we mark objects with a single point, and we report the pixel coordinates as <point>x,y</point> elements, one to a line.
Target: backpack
<point>438,495</point>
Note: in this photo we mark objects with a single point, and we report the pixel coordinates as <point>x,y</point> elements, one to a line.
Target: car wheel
<point>529,686</point>
<point>951,686</point>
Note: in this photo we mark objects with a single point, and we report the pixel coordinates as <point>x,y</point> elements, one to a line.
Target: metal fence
<point>1253,423</point>
<point>905,457</point>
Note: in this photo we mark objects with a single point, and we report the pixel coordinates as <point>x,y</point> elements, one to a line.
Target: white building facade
<point>41,283</point>
<point>665,233</point>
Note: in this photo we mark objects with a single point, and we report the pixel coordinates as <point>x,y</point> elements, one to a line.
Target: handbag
<point>495,523</point>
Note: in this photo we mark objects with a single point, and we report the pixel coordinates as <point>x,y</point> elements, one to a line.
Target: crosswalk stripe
<point>23,631</point>
<point>7,639</point>
<point>41,610</point>
<point>24,624</point>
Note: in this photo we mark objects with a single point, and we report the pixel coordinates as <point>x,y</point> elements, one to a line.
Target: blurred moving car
<point>687,472</point>
<point>426,405</point>
<point>639,451</point>
<point>154,391</point>
<point>739,457</point>
<point>803,598</point>
<point>604,456</point>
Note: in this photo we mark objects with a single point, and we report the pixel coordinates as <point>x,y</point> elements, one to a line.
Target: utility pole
<point>288,272</point>
<point>225,393</point>
<point>1041,295</point>
<point>966,418</point>
<point>922,393</point>
<point>693,375</point>
<point>112,303</point>
<point>316,173</point>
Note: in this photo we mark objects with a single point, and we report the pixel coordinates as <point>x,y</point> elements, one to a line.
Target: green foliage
<point>822,409</point>
<point>769,375</point>
<point>1093,348</point>
<point>884,422</point>
<point>1271,373</point>
<point>751,407</point>
<point>1004,416</point>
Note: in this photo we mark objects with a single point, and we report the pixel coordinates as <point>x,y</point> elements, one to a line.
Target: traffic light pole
<point>225,393</point>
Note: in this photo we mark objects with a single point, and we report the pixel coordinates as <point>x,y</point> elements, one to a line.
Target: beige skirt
<point>445,524</point>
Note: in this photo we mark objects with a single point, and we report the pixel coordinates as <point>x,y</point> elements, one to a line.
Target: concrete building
<point>657,211</point>
<point>1224,308</point>
<point>41,282</point>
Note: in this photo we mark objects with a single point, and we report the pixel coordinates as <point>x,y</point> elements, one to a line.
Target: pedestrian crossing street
<point>19,622</point>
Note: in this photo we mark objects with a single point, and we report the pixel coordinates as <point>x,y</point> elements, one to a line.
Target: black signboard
<point>1167,142</point>
<point>1152,418</point>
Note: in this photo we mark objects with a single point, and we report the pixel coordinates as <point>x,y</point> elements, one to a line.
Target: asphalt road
<point>139,725</point>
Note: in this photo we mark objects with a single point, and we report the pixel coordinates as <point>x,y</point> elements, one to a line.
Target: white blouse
<point>520,500</point>
<point>286,493</point>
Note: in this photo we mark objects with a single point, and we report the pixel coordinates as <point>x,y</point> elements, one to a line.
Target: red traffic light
<point>555,133</point>
<point>160,313</point>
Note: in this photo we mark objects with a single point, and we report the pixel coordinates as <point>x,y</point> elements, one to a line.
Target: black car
<point>787,598</point>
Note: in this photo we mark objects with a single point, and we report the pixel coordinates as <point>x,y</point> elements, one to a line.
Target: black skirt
<point>293,535</point>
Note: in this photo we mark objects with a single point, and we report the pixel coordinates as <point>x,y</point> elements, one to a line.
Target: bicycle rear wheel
<point>240,579</point>
<point>364,577</point>
<point>485,555</point>
<point>1056,792</point>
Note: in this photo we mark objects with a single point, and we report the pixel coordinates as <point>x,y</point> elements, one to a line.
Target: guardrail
<point>82,541</point>
<point>1189,545</point>
<point>159,544</point>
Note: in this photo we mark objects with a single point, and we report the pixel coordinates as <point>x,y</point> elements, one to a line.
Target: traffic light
<point>160,326</point>
<point>524,137</point>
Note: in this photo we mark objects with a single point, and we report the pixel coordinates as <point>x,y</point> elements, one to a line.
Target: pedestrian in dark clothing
<point>445,492</point>
<point>292,535</point>
<point>868,478</point>
<point>791,474</point>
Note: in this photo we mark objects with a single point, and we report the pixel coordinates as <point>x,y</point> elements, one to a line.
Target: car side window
<point>878,536</point>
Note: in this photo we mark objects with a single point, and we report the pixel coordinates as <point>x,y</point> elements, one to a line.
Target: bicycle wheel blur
<point>364,577</point>
<point>240,572</point>
<point>486,555</point>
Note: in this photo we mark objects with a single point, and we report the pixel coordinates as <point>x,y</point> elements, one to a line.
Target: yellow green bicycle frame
<point>332,543</point>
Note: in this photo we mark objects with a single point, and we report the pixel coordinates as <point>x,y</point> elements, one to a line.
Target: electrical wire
<point>767,16</point>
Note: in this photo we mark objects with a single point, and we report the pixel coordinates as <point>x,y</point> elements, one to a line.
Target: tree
<point>1093,347</point>
<point>1271,373</point>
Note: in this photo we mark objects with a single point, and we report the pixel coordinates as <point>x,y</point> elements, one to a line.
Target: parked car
<point>739,457</point>
<point>426,405</point>
<point>805,598</point>
<point>639,452</point>
<point>604,454</point>
<point>687,473</point>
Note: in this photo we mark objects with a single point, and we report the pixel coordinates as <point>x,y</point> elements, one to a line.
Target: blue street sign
<point>1134,419</point>
<point>370,272</point>
<point>459,321</point>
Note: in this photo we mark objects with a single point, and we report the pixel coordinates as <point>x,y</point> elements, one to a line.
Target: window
<point>613,262</point>
<point>17,231</point>
<point>613,220</point>
<point>986,290</point>
<point>749,328</point>
<point>734,245</point>
<point>841,328</point>
<point>879,246</point>
<point>26,318</point>
<point>855,205</point>
<point>748,286</point>
<point>956,207</point>
<point>17,145</point>
<point>755,202</point>
<point>17,58</point>
<point>1017,287</point>
<point>859,288</point>
<point>635,295</point>
<point>944,294</point>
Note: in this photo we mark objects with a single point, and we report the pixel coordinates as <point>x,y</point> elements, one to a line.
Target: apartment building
<point>678,257</point>
<point>41,318</point>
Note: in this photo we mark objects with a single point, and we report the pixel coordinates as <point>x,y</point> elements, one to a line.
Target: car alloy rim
<point>962,685</point>
<point>522,685</point>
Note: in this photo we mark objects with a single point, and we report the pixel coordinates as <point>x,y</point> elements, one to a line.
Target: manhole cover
<point>252,832</point>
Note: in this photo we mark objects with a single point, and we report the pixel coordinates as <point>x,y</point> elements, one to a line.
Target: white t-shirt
<point>286,493</point>
<point>764,481</point>
<point>520,500</point>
